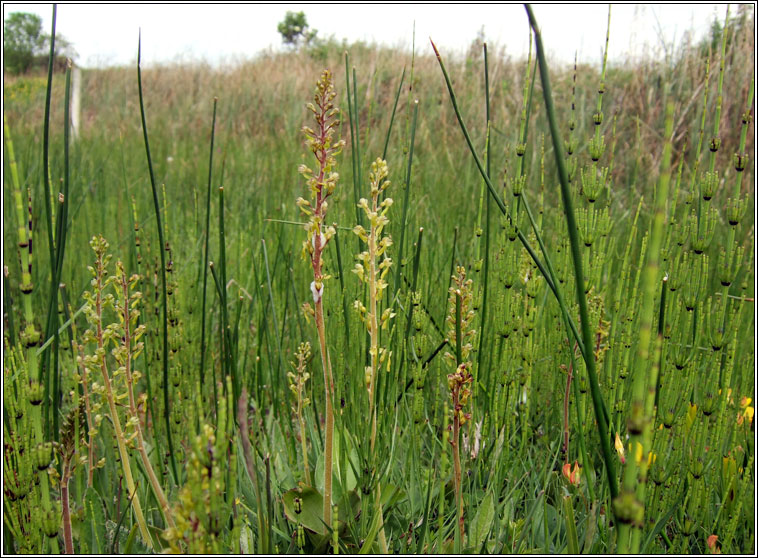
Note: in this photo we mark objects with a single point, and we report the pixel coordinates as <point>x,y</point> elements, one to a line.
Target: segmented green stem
<point>630,505</point>
<point>589,357</point>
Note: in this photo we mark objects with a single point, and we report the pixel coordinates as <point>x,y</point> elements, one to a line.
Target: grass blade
<point>589,358</point>
<point>162,244</point>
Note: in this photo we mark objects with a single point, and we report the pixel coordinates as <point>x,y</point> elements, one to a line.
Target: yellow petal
<point>638,454</point>
<point>619,446</point>
<point>691,413</point>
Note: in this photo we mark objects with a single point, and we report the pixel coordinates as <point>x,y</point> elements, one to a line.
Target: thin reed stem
<point>589,357</point>
<point>164,302</point>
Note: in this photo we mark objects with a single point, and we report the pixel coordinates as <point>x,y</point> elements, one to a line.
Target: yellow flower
<point>620,448</point>
<point>638,453</point>
<point>651,457</point>
<point>748,413</point>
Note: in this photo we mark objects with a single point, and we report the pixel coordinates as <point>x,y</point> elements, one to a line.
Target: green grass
<point>563,362</point>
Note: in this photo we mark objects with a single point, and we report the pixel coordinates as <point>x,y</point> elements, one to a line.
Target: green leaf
<point>495,459</point>
<point>341,480</point>
<point>93,528</point>
<point>391,495</point>
<point>661,523</point>
<point>311,508</point>
<point>158,542</point>
<point>368,543</point>
<point>131,539</point>
<point>482,523</point>
<point>128,543</point>
<point>568,511</point>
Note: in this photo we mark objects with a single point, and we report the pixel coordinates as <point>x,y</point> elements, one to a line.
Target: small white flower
<point>317,293</point>
<point>313,240</point>
<point>477,440</point>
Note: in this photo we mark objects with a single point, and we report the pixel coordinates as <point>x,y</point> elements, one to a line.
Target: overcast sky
<point>107,34</point>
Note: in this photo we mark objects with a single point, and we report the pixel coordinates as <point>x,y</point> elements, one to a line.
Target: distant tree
<point>25,45</point>
<point>22,41</point>
<point>295,29</point>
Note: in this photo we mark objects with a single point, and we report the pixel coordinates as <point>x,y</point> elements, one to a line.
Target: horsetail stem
<point>589,358</point>
<point>629,507</point>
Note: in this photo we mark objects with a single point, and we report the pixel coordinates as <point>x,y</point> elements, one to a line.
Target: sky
<point>106,34</point>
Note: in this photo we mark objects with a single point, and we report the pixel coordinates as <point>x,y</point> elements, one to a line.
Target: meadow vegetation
<point>351,299</point>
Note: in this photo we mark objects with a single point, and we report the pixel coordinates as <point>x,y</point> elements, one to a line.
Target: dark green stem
<point>577,258</point>
<point>49,216</point>
<point>156,203</point>
<point>207,243</point>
